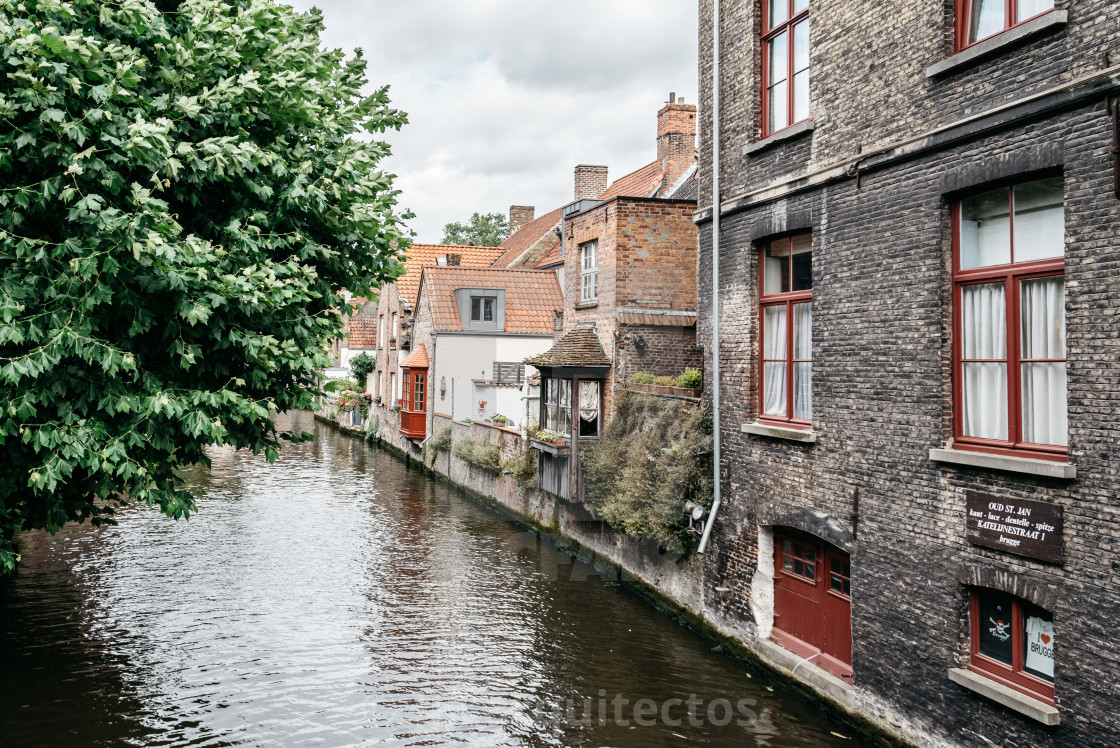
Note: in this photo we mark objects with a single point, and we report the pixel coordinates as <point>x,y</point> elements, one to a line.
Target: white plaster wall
<point>346,354</point>
<point>762,586</point>
<point>463,358</point>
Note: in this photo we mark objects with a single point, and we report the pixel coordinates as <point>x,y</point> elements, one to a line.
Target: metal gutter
<point>716,487</point>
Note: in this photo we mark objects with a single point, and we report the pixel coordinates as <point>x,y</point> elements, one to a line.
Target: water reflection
<point>335,598</point>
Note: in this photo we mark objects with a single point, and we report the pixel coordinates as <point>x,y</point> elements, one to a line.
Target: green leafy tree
<point>361,366</point>
<point>184,191</point>
<point>487,230</point>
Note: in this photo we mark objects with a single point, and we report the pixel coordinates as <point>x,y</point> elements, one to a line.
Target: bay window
<point>979,19</point>
<point>1009,304</point>
<point>785,64</point>
<point>1012,642</point>
<point>786,311</point>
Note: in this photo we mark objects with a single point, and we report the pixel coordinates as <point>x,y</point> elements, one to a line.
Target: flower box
<point>553,448</point>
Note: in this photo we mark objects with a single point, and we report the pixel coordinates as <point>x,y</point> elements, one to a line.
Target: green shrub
<point>487,457</point>
<point>523,469</point>
<point>533,430</point>
<point>690,377</point>
<point>654,457</point>
<point>464,450</point>
<point>442,440</point>
<point>643,377</point>
<point>361,366</point>
<point>340,385</point>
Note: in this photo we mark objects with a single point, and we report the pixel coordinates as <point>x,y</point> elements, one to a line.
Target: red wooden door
<point>812,600</point>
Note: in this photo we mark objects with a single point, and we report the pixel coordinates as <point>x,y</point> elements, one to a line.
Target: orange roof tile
<point>640,183</point>
<point>418,359</point>
<point>525,237</point>
<point>363,332</point>
<point>531,296</point>
<point>421,255</point>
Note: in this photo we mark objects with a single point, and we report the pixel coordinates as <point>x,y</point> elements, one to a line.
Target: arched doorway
<point>813,600</point>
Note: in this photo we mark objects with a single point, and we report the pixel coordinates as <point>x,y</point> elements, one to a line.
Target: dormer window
<point>482,308</point>
<point>441,261</point>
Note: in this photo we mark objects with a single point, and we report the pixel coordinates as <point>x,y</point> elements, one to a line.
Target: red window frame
<point>1013,676</point>
<point>1011,9</point>
<point>797,555</point>
<point>417,391</point>
<point>1012,275</point>
<point>789,299</point>
<point>768,34</point>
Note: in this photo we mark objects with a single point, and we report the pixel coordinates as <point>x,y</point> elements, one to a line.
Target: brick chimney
<point>676,140</point>
<point>453,260</point>
<point>519,215</point>
<point>591,181</point>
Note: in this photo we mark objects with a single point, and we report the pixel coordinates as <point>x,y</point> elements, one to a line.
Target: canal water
<point>337,598</point>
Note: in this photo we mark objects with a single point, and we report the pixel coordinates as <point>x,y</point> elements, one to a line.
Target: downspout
<point>716,488</point>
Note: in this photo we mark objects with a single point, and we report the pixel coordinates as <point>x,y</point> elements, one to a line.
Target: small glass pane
<point>1042,317</point>
<point>1044,404</point>
<point>800,5</point>
<point>803,331</point>
<point>801,46</point>
<point>778,108</point>
<point>488,310</point>
<point>476,310</point>
<point>984,321</point>
<point>774,332</point>
<point>984,400</point>
<point>986,230</point>
<point>986,17</point>
<point>810,554</point>
<point>847,588</point>
<point>776,267</point>
<point>836,566</point>
<point>779,58</point>
<point>803,391</point>
<point>779,12</point>
<point>1031,8</point>
<point>799,568</point>
<point>787,547</point>
<point>837,584</point>
<point>801,247</point>
<point>996,626</point>
<point>801,96</point>
<point>1038,643</point>
<point>787,562</point>
<point>774,388</point>
<point>1040,227</point>
<point>810,572</point>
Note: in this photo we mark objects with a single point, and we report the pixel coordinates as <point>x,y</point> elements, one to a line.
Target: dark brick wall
<point>881,338</point>
<point>882,353</point>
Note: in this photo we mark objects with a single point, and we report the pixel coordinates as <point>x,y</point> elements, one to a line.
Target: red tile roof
<point>363,332</point>
<point>640,183</point>
<point>525,237</point>
<point>422,255</point>
<point>531,296</point>
<point>418,359</point>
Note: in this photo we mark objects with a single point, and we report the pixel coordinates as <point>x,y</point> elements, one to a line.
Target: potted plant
<point>689,383</point>
<point>550,441</point>
<point>499,419</point>
<point>393,340</point>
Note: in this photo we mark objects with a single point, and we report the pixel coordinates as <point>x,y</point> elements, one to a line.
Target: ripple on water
<point>336,598</point>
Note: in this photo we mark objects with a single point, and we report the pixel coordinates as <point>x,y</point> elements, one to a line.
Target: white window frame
<point>589,272</point>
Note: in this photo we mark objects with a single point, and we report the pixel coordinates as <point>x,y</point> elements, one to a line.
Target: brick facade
<point>891,149</point>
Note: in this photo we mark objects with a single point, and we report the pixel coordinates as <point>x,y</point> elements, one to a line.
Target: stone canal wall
<point>672,583</point>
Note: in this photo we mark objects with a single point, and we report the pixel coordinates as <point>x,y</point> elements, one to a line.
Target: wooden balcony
<point>414,424</point>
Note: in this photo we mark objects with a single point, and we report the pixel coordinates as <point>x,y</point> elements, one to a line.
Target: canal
<point>337,598</point>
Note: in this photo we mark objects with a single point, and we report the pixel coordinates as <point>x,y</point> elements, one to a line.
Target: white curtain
<point>1031,8</point>
<point>987,19</point>
<point>774,372</point>
<point>589,401</point>
<point>1043,333</point>
<point>984,326</point>
<point>802,369</point>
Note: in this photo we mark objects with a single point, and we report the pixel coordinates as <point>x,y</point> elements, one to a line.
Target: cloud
<point>505,97</point>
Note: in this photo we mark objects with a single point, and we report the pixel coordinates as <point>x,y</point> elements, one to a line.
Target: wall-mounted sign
<point>1022,526</point>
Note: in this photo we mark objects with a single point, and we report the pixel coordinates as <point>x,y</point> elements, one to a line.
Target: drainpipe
<point>716,493</point>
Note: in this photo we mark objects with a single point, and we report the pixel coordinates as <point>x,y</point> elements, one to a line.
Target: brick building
<point>627,264</point>
<point>391,315</point>
<point>919,289</point>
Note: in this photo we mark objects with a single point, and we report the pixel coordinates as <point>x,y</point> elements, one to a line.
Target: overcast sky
<point>505,97</point>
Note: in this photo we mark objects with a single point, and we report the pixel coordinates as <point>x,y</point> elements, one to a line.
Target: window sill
<point>805,436</point>
<point>1025,465</point>
<point>587,304</point>
<point>1008,697</point>
<point>1053,20</point>
<point>781,136</point>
